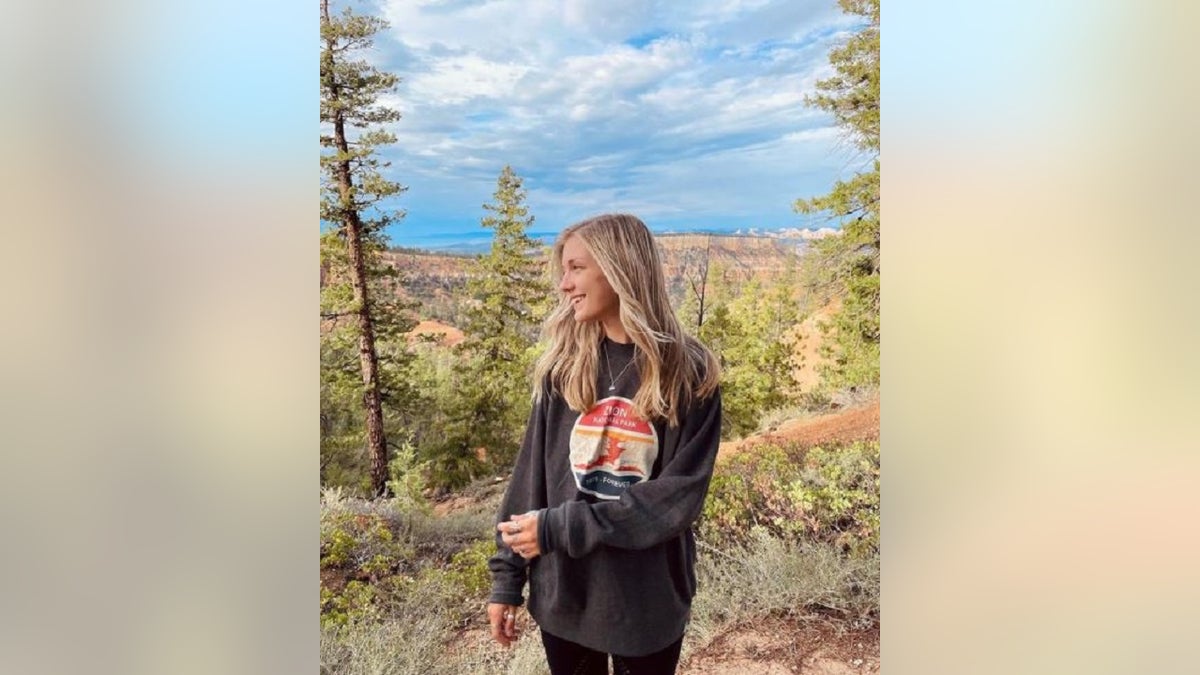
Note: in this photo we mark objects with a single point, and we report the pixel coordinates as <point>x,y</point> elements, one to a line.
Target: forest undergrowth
<point>787,531</point>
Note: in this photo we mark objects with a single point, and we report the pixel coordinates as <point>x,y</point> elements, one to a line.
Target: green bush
<point>468,573</point>
<point>383,558</point>
<point>354,602</point>
<point>360,544</point>
<point>828,495</point>
<point>460,587</point>
<point>838,496</point>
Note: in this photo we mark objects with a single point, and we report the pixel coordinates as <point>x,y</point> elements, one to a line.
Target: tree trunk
<point>367,356</point>
<point>368,360</point>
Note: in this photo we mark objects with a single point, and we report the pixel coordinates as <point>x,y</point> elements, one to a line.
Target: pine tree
<point>508,299</point>
<point>850,262</point>
<point>357,284</point>
<point>749,327</point>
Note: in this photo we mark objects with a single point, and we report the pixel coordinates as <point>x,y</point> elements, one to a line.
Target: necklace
<point>612,381</point>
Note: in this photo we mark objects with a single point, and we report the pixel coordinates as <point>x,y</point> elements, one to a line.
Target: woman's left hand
<point>520,534</point>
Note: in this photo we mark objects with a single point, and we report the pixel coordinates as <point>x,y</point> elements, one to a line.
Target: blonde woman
<point>614,467</point>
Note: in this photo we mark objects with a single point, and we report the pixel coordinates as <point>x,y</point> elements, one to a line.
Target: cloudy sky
<point>689,114</point>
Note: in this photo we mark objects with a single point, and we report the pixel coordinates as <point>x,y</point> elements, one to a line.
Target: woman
<point>614,467</point>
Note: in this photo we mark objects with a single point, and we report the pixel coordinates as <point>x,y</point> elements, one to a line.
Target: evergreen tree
<point>508,299</point>
<point>850,262</point>
<point>717,327</point>
<point>359,311</point>
<point>750,331</point>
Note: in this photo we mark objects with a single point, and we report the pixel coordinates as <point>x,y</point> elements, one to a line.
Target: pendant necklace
<point>612,381</point>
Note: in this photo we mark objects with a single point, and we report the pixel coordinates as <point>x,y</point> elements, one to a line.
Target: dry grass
<point>774,577</point>
<point>421,644</point>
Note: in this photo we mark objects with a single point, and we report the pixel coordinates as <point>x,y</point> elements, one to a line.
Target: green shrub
<point>406,479</point>
<point>468,573</point>
<point>460,588</point>
<point>828,495</point>
<point>405,590</point>
<point>739,493</point>
<point>354,602</point>
<point>838,496</point>
<point>728,507</point>
<point>360,544</point>
<point>337,549</point>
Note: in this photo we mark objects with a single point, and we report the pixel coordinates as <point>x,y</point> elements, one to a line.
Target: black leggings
<point>567,658</point>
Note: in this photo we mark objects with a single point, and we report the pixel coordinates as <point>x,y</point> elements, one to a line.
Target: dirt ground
<point>852,424</point>
<point>782,646</point>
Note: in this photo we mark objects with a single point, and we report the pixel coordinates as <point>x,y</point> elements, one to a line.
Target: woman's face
<point>585,285</point>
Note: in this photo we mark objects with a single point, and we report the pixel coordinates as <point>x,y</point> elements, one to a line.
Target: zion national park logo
<point>612,448</point>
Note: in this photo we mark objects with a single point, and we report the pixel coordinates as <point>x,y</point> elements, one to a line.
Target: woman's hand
<point>520,534</point>
<point>503,619</point>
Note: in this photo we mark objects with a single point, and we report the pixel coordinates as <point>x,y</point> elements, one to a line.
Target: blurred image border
<point>161,355</point>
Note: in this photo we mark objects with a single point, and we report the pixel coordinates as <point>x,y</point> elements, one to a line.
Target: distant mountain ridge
<point>477,242</point>
<point>436,279</point>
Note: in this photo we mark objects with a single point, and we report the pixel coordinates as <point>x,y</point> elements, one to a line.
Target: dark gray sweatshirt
<point>617,496</point>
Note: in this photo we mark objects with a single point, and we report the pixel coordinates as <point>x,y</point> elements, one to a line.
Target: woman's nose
<point>565,284</point>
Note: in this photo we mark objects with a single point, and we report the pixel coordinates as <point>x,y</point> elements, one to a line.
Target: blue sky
<point>690,115</point>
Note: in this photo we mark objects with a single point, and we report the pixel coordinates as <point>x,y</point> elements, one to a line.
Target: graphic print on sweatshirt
<point>612,448</point>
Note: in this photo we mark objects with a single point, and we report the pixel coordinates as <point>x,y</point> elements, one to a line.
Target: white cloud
<point>458,79</point>
<point>491,28</point>
<point>612,20</point>
<point>613,104</point>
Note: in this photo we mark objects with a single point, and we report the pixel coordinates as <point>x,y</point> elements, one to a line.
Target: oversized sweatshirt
<point>616,496</point>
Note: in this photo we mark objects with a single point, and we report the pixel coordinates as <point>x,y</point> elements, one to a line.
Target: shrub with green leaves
<point>355,601</point>
<point>838,496</point>
<point>828,494</point>
<point>382,559</point>
<point>359,543</point>
<point>468,572</point>
<point>460,586</point>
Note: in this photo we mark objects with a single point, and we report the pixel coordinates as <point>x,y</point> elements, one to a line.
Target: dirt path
<point>853,424</point>
<point>772,647</point>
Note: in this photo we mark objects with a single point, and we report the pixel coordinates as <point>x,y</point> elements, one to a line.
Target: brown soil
<point>859,423</point>
<point>806,356</point>
<point>780,646</point>
<point>777,646</point>
<point>443,334</point>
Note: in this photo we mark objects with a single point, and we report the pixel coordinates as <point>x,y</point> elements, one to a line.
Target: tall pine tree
<point>356,290</point>
<point>508,299</point>
<point>850,262</point>
<point>748,326</point>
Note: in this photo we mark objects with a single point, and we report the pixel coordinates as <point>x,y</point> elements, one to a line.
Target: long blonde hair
<point>675,368</point>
